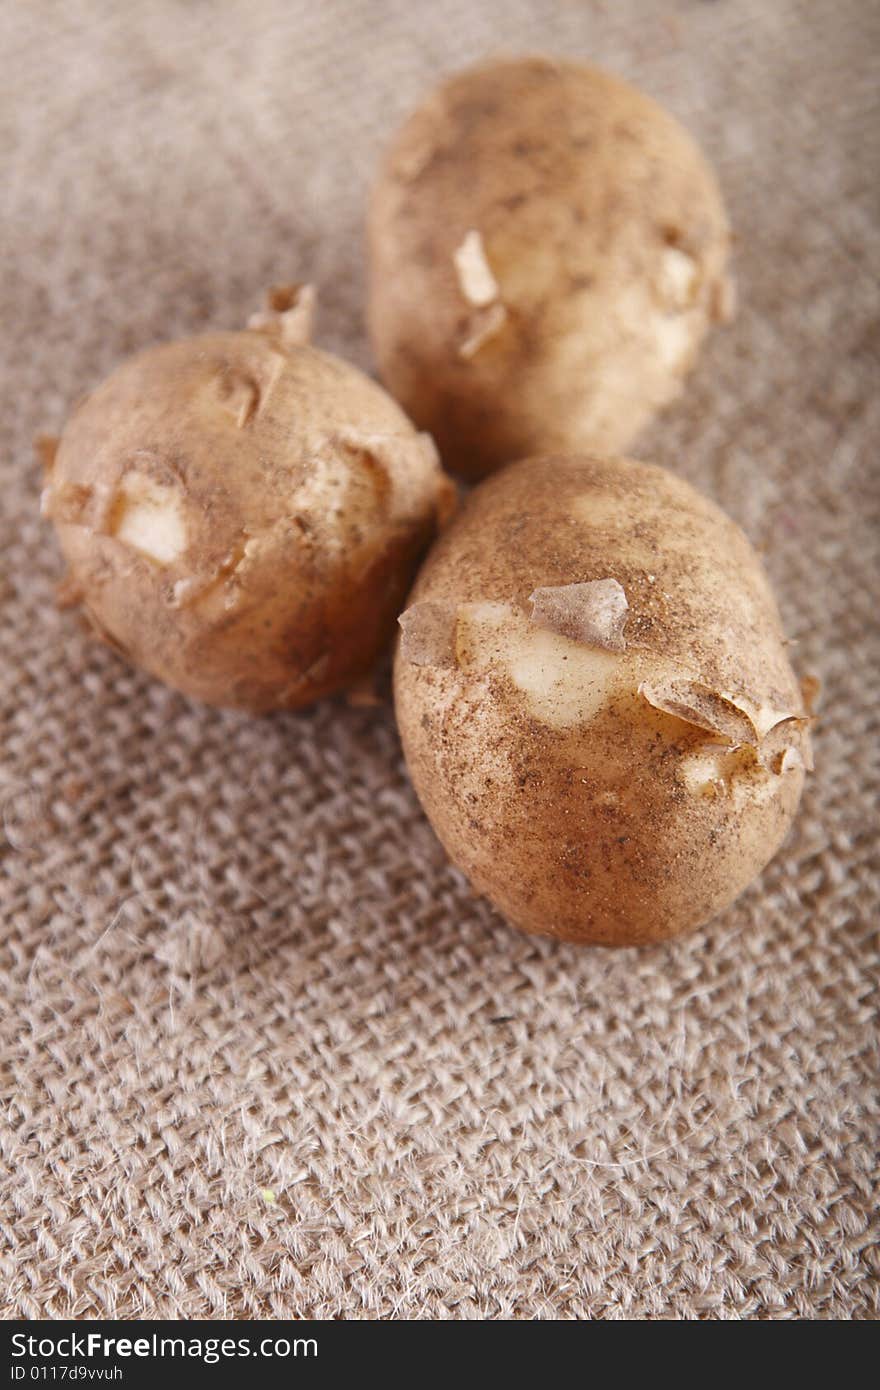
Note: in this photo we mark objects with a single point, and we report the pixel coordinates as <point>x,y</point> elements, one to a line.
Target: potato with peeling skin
<point>595,701</point>
<point>548,248</point>
<point>242,514</point>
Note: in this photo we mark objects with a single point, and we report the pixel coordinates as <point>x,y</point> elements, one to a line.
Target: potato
<point>595,701</point>
<point>242,515</point>
<point>548,248</point>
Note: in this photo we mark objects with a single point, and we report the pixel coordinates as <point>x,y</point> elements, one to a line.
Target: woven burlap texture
<point>263,1053</point>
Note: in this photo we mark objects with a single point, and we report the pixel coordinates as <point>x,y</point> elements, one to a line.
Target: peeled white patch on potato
<point>675,328</point>
<point>565,682</point>
<point>735,773</point>
<point>725,772</point>
<point>475,278</point>
<point>148,516</point>
<point>705,771</point>
<point>674,337</point>
<point>678,278</point>
<point>333,491</point>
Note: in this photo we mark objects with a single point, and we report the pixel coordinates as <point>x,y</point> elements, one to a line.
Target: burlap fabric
<point>263,1052</point>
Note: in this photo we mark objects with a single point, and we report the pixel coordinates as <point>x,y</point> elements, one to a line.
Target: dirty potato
<point>548,248</point>
<point>596,704</point>
<point>242,514</point>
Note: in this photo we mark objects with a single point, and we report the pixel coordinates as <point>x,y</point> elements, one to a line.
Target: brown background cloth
<point>263,1053</point>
